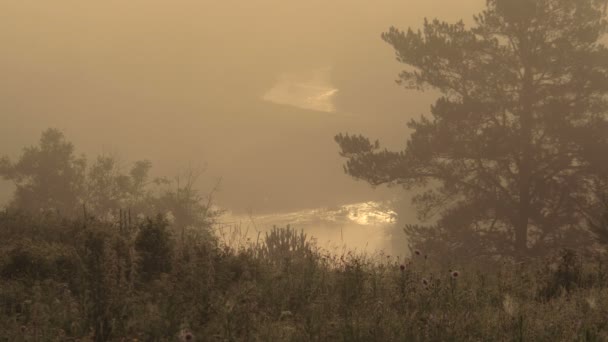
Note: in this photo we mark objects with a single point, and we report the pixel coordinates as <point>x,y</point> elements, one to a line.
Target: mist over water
<point>312,170</point>
<point>251,91</point>
<point>365,227</point>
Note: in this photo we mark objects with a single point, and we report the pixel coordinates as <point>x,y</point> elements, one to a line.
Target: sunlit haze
<point>251,91</point>
<point>303,170</point>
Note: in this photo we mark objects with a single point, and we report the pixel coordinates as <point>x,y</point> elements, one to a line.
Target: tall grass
<point>67,280</point>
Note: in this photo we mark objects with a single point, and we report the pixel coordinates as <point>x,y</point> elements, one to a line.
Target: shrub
<point>154,247</point>
<point>37,260</point>
<point>283,245</point>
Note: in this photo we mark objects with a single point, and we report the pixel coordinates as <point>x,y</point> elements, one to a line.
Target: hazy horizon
<point>184,83</point>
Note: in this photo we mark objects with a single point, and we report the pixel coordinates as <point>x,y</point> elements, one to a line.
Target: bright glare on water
<point>365,227</point>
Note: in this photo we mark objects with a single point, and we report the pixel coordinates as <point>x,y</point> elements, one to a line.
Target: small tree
<point>108,189</point>
<point>189,209</point>
<point>47,176</point>
<point>514,144</point>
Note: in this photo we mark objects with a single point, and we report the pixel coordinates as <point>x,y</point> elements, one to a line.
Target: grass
<point>66,280</point>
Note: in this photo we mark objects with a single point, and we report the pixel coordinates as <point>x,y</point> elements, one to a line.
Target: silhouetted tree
<point>108,189</point>
<point>47,176</point>
<point>184,203</point>
<point>50,177</point>
<point>517,142</point>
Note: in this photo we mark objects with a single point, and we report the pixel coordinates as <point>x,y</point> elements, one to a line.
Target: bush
<point>37,260</point>
<point>284,245</point>
<point>154,247</point>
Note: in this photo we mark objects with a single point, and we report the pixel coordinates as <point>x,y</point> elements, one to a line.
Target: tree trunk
<point>525,162</point>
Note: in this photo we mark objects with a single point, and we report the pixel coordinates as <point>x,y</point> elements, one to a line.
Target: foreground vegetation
<point>510,163</point>
<point>98,280</point>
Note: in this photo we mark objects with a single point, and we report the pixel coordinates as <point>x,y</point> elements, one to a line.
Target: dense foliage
<point>66,280</point>
<point>49,177</point>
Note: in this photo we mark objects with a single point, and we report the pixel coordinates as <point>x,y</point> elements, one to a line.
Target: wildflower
<point>186,335</point>
<point>509,305</point>
<point>454,274</point>
<point>591,302</point>
<point>417,252</point>
<point>402,267</point>
<point>285,315</point>
<point>170,217</point>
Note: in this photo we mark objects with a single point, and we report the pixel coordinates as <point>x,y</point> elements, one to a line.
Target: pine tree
<point>516,144</point>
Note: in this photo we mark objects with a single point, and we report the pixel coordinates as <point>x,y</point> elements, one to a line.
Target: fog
<point>253,91</point>
<point>252,170</point>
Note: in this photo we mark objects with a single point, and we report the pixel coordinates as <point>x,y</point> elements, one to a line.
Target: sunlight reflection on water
<point>364,227</point>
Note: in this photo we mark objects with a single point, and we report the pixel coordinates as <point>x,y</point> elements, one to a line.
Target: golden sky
<point>182,82</point>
